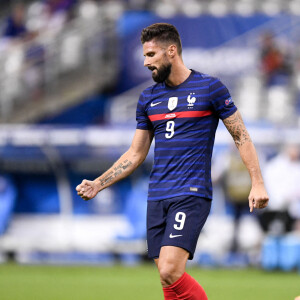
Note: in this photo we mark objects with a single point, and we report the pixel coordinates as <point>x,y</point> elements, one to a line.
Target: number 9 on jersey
<point>170,128</point>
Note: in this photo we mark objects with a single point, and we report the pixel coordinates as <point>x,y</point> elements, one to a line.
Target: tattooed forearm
<point>237,129</point>
<point>123,165</point>
<point>117,170</point>
<point>107,178</point>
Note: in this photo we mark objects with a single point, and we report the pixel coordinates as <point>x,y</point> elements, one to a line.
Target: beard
<point>162,73</point>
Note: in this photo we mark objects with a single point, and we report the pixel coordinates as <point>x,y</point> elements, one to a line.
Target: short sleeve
<point>142,119</point>
<point>221,99</point>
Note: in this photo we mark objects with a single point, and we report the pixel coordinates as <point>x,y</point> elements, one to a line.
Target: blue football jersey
<point>184,120</point>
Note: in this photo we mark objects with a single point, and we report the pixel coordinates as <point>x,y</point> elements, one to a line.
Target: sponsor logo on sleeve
<point>228,101</point>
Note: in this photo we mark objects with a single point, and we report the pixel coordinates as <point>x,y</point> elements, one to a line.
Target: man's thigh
<point>172,255</point>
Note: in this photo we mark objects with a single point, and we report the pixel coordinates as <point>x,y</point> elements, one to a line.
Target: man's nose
<point>146,62</point>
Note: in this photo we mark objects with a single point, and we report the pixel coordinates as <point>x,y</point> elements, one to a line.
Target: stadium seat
<point>289,253</point>
<point>269,255</point>
<point>7,201</point>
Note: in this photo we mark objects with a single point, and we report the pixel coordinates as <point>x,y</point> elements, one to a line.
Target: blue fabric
<point>184,120</point>
<point>176,222</point>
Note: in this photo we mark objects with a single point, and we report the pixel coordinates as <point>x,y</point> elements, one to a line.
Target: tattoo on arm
<point>237,129</point>
<point>117,170</point>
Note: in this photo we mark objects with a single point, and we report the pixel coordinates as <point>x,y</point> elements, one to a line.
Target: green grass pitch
<point>138,283</point>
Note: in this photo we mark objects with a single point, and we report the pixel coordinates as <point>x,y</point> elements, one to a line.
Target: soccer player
<point>181,111</point>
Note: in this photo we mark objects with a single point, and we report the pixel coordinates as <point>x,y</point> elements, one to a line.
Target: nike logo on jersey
<point>153,104</point>
<point>171,236</point>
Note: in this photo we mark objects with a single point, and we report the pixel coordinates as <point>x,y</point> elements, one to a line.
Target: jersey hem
<point>230,113</point>
<point>143,128</point>
<point>179,194</point>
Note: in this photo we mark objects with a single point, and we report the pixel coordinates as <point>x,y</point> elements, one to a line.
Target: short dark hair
<point>162,32</point>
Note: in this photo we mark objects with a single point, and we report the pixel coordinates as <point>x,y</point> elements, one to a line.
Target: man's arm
<point>123,167</point>
<point>258,197</point>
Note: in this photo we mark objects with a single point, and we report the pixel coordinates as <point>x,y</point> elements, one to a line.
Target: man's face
<point>156,60</point>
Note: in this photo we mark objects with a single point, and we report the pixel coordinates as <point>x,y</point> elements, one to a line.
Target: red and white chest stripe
<point>181,114</point>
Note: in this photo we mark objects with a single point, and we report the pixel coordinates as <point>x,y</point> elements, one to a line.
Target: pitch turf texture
<point>138,283</point>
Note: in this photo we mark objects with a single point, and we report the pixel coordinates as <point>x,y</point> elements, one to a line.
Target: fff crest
<point>172,103</point>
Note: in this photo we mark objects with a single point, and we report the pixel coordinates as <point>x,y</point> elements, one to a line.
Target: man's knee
<point>171,264</point>
<point>169,273</point>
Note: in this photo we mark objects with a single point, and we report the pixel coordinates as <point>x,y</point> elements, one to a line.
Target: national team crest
<point>172,103</point>
<point>191,100</point>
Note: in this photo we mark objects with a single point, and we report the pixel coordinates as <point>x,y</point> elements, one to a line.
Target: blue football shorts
<point>176,222</point>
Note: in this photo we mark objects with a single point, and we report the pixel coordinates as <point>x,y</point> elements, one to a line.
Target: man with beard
<point>182,111</point>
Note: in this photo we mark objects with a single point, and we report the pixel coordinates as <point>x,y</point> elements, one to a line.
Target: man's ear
<point>172,50</point>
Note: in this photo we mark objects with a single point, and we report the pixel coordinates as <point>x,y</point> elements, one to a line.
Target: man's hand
<point>258,197</point>
<point>87,189</point>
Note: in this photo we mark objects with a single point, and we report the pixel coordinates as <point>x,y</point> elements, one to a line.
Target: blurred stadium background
<point>71,74</point>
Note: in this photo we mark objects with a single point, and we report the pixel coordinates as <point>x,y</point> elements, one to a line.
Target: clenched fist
<point>87,189</point>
